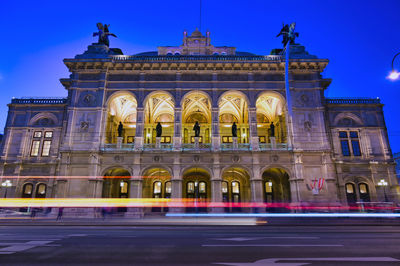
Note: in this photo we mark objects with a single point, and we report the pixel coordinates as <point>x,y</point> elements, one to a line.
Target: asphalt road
<point>201,245</point>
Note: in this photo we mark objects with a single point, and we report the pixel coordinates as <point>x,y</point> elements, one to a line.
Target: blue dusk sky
<point>359,38</point>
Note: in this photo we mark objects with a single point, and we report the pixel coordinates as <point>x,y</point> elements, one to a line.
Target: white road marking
<point>274,261</point>
<point>33,241</point>
<point>271,245</point>
<point>77,235</point>
<point>17,247</point>
<point>269,237</point>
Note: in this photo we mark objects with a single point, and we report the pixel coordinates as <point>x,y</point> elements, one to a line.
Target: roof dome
<point>196,33</point>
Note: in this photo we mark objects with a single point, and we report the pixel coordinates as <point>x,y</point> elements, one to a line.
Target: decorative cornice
<point>192,63</point>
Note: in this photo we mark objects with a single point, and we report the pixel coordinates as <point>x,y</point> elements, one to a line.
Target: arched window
<point>157,189</point>
<point>27,190</point>
<point>350,193</point>
<point>123,189</point>
<point>224,190</point>
<point>168,189</point>
<point>364,192</point>
<point>41,190</point>
<point>268,192</point>
<point>235,191</point>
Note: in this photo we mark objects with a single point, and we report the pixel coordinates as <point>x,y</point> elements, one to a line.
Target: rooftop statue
<point>288,33</point>
<point>103,34</point>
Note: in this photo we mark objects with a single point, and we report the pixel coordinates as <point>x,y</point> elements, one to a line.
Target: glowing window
<point>168,187</point>
<point>48,134</point>
<point>41,189</point>
<point>202,187</point>
<point>46,148</point>
<point>235,187</point>
<point>28,189</point>
<point>268,187</point>
<point>37,134</point>
<point>35,148</point>
<point>349,188</point>
<point>123,187</point>
<point>190,187</point>
<point>363,189</point>
<point>224,187</point>
<point>157,187</point>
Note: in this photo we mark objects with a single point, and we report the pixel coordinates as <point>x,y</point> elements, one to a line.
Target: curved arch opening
<point>196,107</point>
<point>276,186</point>
<point>116,183</point>
<point>159,108</point>
<point>196,187</point>
<point>233,108</point>
<point>157,184</point>
<point>235,188</point>
<point>121,109</point>
<point>270,111</point>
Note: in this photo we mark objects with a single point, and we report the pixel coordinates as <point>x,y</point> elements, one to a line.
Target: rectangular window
<point>356,147</point>
<point>35,148</point>
<point>46,148</point>
<point>48,134</point>
<point>342,134</point>
<point>37,134</point>
<point>345,147</point>
<point>353,134</point>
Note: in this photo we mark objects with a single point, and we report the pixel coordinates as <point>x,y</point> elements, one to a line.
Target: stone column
<point>297,178</point>
<point>273,142</point>
<point>253,129</point>
<point>216,139</point>
<point>256,185</point>
<point>216,187</point>
<point>177,128</point>
<point>139,128</point>
<point>135,192</point>
<point>176,183</point>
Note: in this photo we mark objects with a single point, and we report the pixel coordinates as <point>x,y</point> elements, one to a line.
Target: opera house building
<point>202,122</point>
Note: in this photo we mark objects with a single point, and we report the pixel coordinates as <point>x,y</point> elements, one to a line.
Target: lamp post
<point>6,184</point>
<point>383,183</point>
<point>394,74</point>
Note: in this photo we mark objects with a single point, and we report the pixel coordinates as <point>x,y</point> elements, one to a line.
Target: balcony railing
<point>192,147</point>
<point>39,100</point>
<point>352,101</point>
<point>231,147</point>
<point>277,146</point>
<point>196,58</point>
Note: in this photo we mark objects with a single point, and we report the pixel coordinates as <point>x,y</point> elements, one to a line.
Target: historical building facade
<point>331,150</point>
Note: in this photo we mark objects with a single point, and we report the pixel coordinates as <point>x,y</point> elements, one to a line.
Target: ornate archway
<point>276,186</point>
<point>196,107</point>
<point>159,108</point>
<point>233,107</point>
<point>270,108</point>
<point>196,186</point>
<point>235,187</point>
<point>121,108</point>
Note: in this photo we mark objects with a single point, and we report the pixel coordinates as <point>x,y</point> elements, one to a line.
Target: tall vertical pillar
<point>177,128</point>
<point>176,183</point>
<point>253,129</point>
<point>216,139</point>
<point>139,138</point>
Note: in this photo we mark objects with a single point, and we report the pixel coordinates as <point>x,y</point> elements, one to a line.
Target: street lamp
<point>394,74</point>
<point>383,183</point>
<point>6,184</point>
